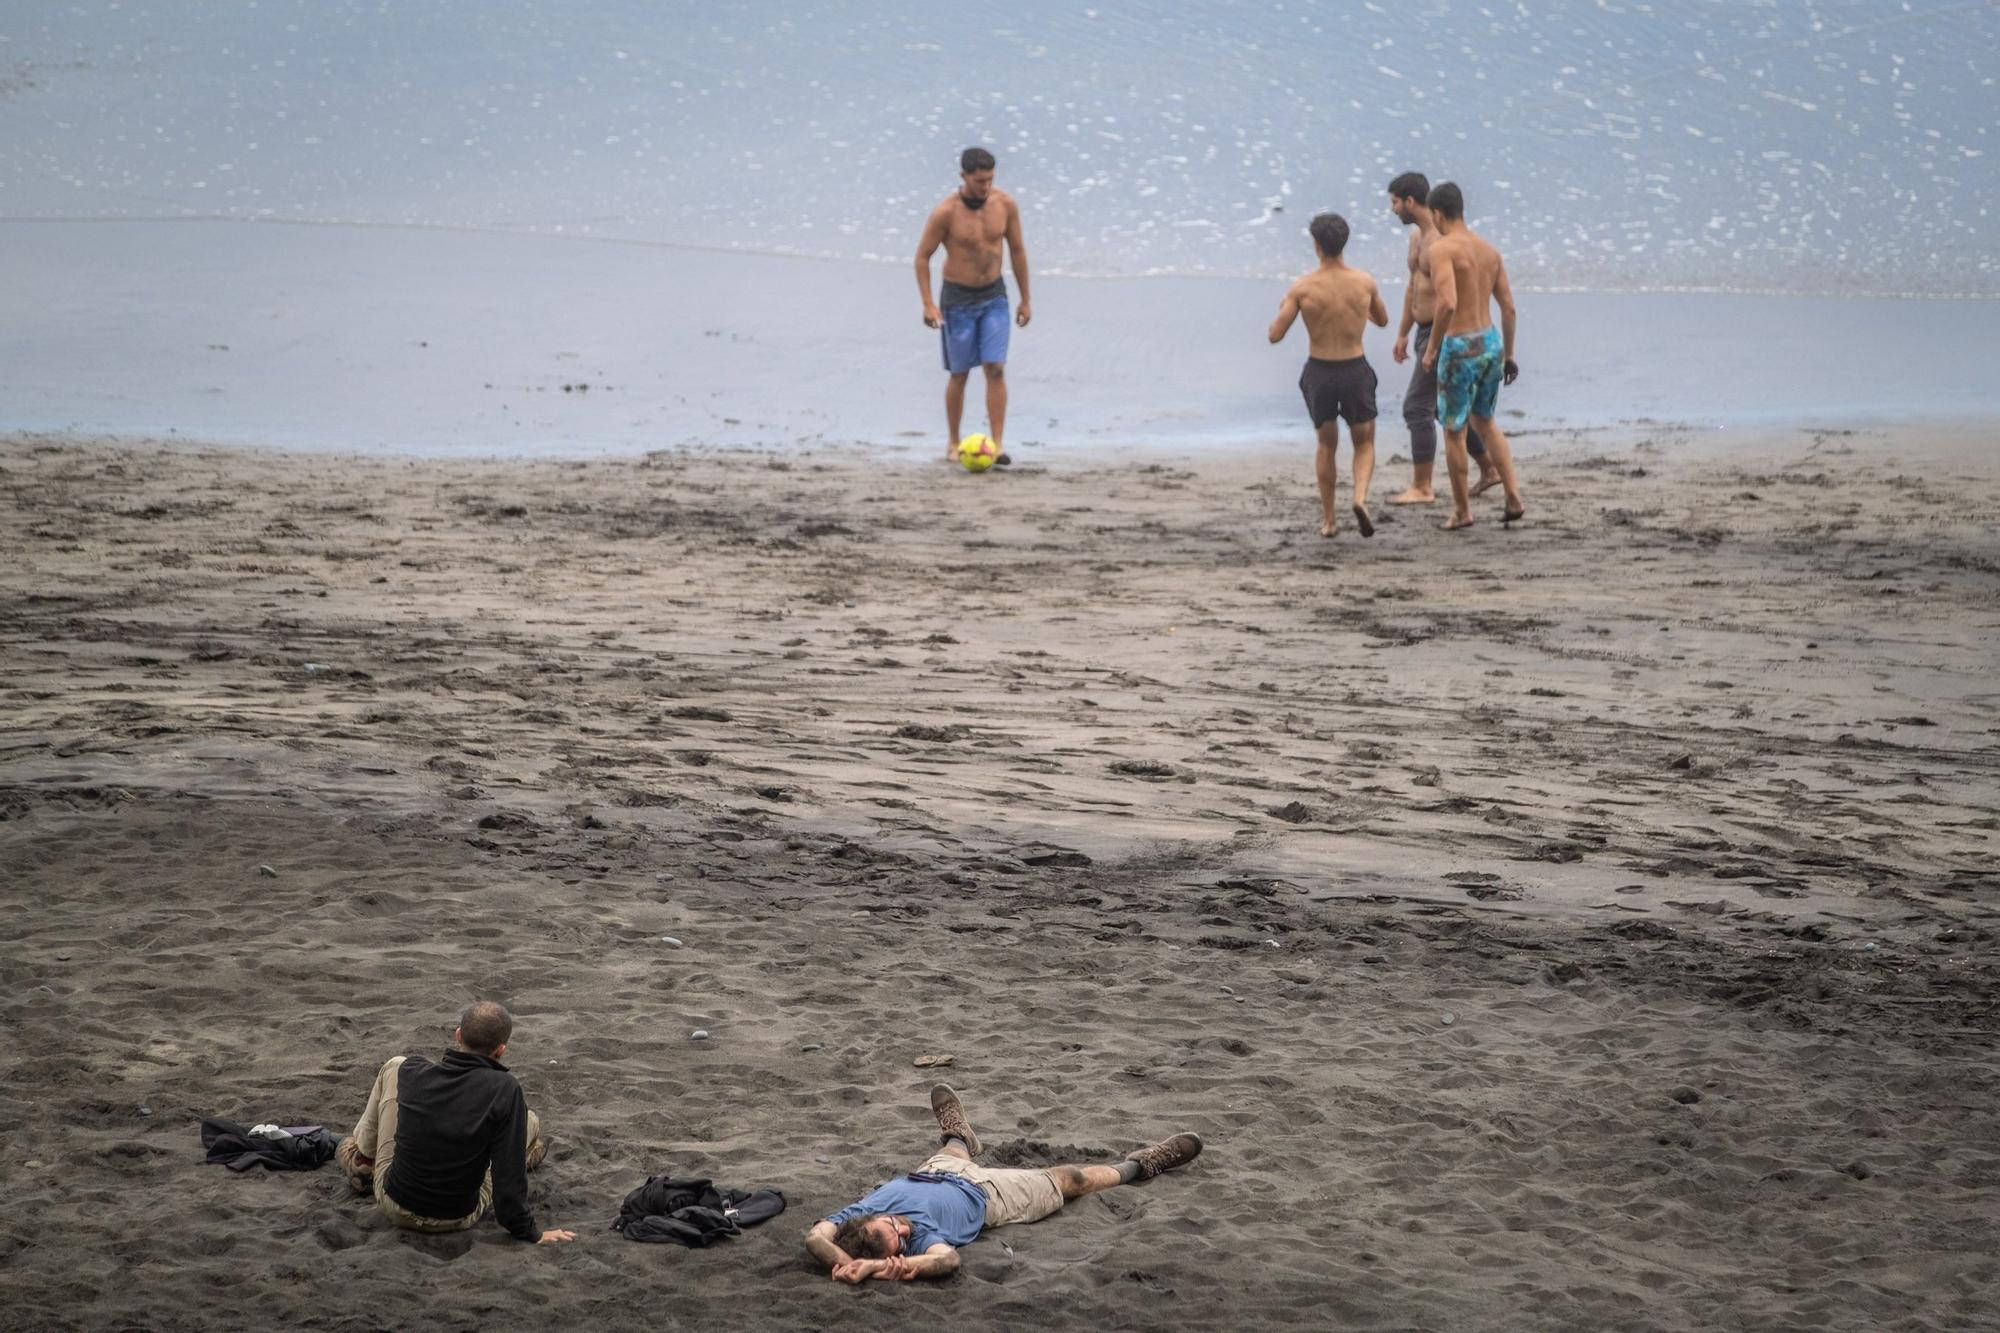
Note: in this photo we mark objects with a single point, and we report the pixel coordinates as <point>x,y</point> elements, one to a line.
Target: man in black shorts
<point>1338,302</point>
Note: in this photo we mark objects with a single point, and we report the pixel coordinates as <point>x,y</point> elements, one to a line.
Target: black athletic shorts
<point>1344,389</point>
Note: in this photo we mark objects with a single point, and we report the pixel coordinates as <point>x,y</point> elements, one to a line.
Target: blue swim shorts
<point>975,335</point>
<point>1469,367</point>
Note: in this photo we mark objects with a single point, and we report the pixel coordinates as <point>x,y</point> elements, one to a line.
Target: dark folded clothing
<point>303,1147</point>
<point>692,1212</point>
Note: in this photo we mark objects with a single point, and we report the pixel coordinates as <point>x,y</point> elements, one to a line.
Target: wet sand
<point>448,343</point>
<point>1585,926</point>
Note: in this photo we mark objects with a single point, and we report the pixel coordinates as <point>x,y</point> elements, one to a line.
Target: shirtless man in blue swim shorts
<point>971,312</point>
<point>1472,359</point>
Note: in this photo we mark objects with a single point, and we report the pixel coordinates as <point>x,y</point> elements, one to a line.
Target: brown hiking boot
<point>1166,1155</point>
<point>952,1123</point>
<point>359,1170</point>
<point>537,1151</point>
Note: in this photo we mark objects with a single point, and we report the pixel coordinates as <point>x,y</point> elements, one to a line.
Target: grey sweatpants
<point>1420,406</point>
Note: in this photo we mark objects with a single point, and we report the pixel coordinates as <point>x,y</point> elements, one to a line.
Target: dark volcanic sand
<point>1119,785</point>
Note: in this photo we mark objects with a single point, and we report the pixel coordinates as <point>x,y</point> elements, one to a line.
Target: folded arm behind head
<point>871,1247</point>
<point>820,1244</point>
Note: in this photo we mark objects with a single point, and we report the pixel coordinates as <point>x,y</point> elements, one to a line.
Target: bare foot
<point>1514,515</point>
<point>1361,519</point>
<point>1487,481</point>
<point>1413,496</point>
<point>1327,529</point>
<point>1456,523</point>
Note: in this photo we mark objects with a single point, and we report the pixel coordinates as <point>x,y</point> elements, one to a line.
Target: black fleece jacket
<point>453,1120</point>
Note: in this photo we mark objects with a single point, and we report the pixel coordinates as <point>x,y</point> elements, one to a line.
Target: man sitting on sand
<point>438,1143</point>
<point>912,1226</point>
<point>1338,302</point>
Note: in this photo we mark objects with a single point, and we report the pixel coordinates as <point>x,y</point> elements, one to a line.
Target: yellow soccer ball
<point>976,453</point>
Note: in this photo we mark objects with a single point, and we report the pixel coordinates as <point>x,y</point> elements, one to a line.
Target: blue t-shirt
<point>950,1211</point>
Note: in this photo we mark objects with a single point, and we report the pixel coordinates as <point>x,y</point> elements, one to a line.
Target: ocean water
<point>330,222</point>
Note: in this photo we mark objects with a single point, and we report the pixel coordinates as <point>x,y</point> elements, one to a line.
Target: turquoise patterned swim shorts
<point>1469,369</point>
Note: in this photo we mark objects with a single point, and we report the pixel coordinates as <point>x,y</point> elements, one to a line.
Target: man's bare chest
<point>976,231</point>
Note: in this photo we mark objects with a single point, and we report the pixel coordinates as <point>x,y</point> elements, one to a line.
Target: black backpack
<point>693,1213</point>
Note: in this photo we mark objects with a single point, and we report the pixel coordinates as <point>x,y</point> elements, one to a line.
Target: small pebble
<point>699,1034</point>
<point>32,1164</point>
<point>812,1046</point>
<point>1685,1096</point>
<point>822,1160</point>
<point>145,1110</point>
<point>1227,990</point>
<point>267,872</point>
<point>1447,1019</point>
<point>62,958</point>
<point>1869,947</point>
<point>670,941</point>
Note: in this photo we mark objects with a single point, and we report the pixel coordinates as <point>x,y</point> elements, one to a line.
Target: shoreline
<point>450,343</point>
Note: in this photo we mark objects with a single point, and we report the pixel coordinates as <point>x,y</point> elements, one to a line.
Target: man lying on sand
<point>912,1226</point>
<point>1338,302</point>
<point>438,1143</point>
<point>1472,359</point>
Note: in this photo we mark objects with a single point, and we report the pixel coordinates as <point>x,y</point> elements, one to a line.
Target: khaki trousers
<point>1013,1194</point>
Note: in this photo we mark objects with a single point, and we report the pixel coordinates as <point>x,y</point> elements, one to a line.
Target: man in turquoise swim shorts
<point>1473,359</point>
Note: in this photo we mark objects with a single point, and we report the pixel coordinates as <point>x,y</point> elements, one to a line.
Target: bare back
<point>972,237</point>
<point>1337,304</point>
<point>1476,271</point>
